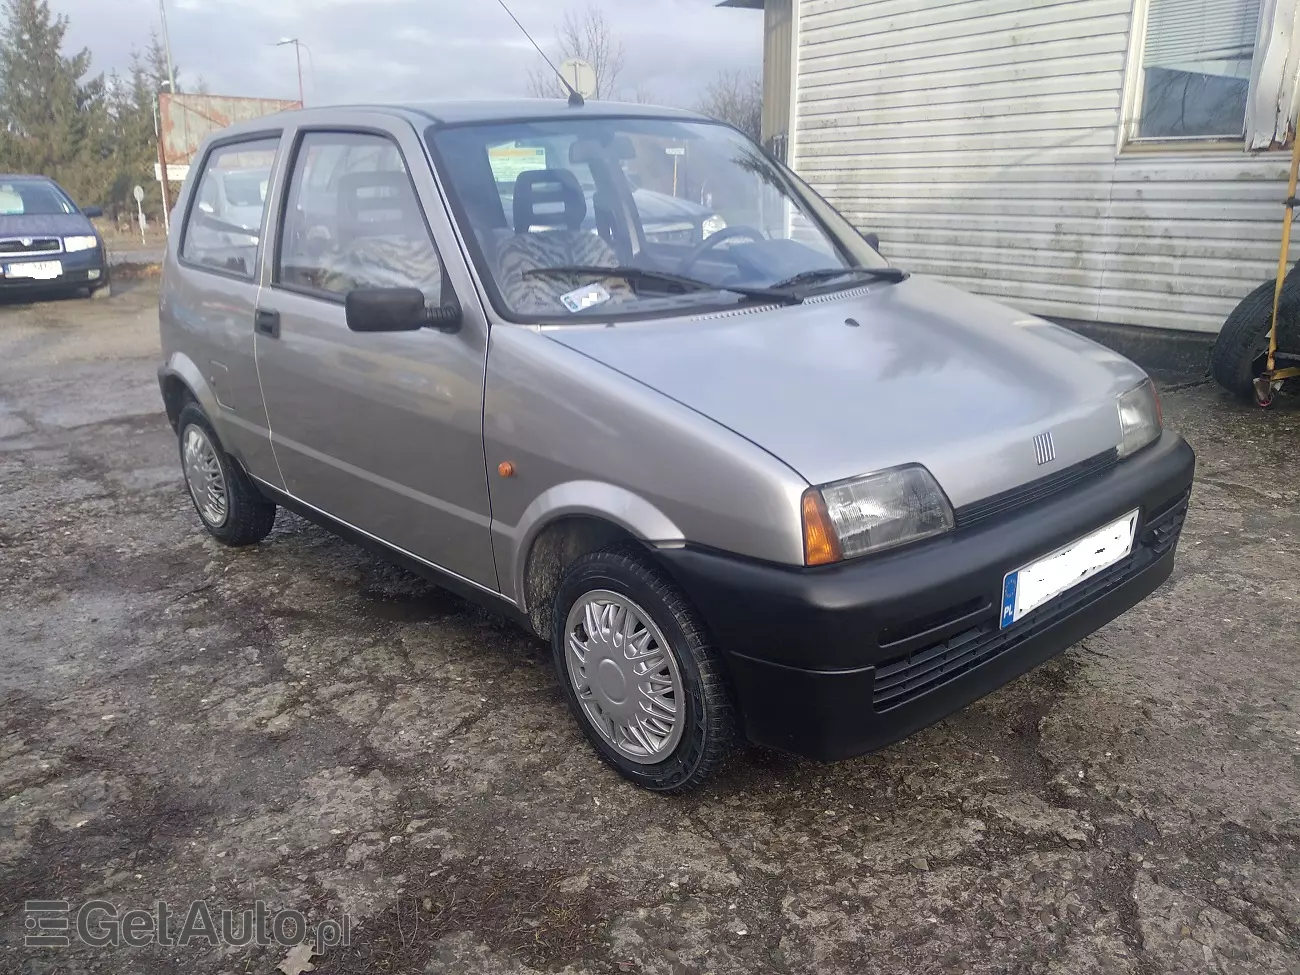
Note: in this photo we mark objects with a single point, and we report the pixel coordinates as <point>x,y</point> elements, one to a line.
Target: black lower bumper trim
<point>831,663</point>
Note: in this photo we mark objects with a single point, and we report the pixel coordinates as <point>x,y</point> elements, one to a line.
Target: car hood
<point>914,372</point>
<point>42,225</point>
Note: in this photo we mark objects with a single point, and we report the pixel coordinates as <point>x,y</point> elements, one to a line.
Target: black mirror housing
<point>92,211</point>
<point>873,240</point>
<point>397,310</point>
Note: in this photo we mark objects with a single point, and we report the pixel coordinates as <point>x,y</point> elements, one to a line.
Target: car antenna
<point>575,98</point>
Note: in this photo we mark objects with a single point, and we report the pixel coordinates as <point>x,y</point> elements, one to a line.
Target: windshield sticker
<point>585,297</point>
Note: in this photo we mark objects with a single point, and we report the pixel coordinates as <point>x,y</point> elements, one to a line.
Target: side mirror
<point>873,240</point>
<point>397,310</point>
<point>92,211</point>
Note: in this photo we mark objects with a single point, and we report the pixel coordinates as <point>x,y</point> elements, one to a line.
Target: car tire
<point>622,699</point>
<point>105,290</point>
<point>230,507</point>
<point>1238,355</point>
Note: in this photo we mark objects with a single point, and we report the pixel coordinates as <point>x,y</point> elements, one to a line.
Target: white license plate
<point>1030,586</point>
<point>36,270</point>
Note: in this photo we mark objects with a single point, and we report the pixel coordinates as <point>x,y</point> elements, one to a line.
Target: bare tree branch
<point>735,97</point>
<point>587,35</point>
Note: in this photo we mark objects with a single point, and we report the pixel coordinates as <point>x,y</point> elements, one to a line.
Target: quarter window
<point>1196,68</point>
<point>226,218</point>
<point>353,220</point>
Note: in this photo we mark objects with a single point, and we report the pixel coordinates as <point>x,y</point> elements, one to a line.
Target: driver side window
<point>353,220</point>
<point>224,227</point>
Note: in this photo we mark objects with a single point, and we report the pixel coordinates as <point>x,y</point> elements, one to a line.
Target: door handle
<point>267,322</point>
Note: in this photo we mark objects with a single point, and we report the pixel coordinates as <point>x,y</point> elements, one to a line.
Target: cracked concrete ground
<point>304,724</point>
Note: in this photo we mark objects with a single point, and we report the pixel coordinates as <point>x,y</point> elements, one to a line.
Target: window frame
<point>1134,84</point>
<point>192,201</point>
<point>274,280</point>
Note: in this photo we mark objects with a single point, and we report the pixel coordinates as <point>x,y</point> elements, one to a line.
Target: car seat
<point>382,241</point>
<point>552,201</point>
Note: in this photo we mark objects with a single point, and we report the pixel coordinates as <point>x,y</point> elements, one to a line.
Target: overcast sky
<point>365,50</point>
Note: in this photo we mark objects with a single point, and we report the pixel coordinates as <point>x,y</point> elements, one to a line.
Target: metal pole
<point>167,44</point>
<point>297,50</point>
<point>1283,259</point>
<point>162,168</point>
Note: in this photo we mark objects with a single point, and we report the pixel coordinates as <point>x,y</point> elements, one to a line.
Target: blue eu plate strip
<point>1009,599</point>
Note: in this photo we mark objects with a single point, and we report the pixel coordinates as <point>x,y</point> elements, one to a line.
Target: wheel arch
<point>181,380</point>
<point>569,521</point>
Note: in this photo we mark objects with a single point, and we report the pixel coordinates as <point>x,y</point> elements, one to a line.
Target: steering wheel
<point>713,240</point>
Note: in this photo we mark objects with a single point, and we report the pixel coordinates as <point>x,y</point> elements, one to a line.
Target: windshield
<point>682,212</point>
<point>32,198</point>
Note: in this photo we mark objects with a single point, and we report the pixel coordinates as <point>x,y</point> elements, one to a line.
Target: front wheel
<point>638,671</point>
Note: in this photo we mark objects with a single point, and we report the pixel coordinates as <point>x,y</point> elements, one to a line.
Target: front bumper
<point>838,661</point>
<point>81,269</point>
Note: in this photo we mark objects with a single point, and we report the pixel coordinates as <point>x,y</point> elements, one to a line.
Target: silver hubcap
<point>203,475</point>
<point>625,676</point>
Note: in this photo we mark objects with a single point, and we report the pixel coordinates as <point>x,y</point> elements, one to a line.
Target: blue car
<point>47,243</point>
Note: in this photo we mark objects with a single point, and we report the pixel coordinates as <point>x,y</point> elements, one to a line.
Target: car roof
<point>459,112</point>
<point>25,177</point>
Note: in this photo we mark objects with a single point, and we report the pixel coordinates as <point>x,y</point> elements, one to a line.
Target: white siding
<point>978,138</point>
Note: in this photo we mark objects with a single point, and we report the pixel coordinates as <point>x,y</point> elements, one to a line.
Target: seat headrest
<point>558,191</point>
<point>377,204</point>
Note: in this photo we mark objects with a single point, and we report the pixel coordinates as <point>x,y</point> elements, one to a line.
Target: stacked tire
<point>1240,353</point>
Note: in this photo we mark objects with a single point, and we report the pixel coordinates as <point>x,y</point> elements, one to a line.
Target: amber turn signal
<point>820,546</point>
<point>506,469</point>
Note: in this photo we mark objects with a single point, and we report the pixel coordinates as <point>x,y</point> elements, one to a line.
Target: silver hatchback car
<point>755,482</point>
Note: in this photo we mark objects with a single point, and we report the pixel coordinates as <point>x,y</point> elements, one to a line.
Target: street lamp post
<point>162,156</point>
<point>297,48</point>
<point>167,45</point>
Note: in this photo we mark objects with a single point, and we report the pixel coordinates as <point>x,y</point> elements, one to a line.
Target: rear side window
<point>353,220</point>
<point>225,220</point>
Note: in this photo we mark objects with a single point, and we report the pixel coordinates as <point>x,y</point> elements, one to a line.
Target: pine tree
<point>133,106</point>
<point>52,116</point>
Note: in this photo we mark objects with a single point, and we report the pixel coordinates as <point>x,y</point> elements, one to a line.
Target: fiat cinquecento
<point>748,479</point>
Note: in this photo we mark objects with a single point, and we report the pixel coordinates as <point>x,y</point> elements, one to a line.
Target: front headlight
<point>1139,418</point>
<point>74,244</point>
<point>871,513</point>
<point>712,225</point>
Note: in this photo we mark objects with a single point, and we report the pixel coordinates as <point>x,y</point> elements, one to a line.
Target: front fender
<point>593,499</point>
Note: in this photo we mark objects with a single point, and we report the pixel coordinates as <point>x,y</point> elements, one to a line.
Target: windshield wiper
<point>631,274</point>
<point>820,274</point>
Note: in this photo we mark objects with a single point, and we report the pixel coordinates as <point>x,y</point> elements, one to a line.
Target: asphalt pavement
<point>303,724</point>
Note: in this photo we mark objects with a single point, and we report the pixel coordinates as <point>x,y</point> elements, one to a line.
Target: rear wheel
<point>639,673</point>
<point>230,507</point>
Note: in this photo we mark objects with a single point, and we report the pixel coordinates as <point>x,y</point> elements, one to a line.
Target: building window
<point>1196,68</point>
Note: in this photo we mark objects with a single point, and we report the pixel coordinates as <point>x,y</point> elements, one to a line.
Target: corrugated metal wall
<point>979,138</point>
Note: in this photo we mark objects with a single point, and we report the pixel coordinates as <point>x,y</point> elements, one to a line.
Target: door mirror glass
<point>397,310</point>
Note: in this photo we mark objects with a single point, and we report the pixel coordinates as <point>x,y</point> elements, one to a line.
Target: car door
<point>382,431</point>
<point>210,293</point>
